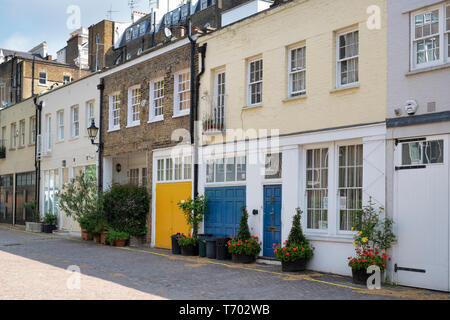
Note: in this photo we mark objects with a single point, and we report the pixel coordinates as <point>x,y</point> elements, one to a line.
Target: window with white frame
<point>273,166</point>
<point>114,111</point>
<point>60,125</point>
<point>3,97</point>
<point>43,78</point>
<point>173,169</point>
<point>430,36</point>
<point>182,93</point>
<point>3,144</point>
<point>75,121</point>
<point>297,71</point>
<point>206,3</point>
<point>32,130</point>
<point>13,136</point>
<point>255,82</point>
<point>134,105</point>
<point>90,115</point>
<point>317,188</point>
<point>350,184</point>
<point>22,133</point>
<point>230,169</point>
<point>134,176</point>
<point>156,99</point>
<point>67,78</point>
<point>48,133</point>
<point>218,113</point>
<point>422,152</point>
<point>347,58</point>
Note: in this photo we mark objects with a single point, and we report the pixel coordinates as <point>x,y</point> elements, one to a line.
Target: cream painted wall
<point>269,35</point>
<point>20,159</point>
<point>77,152</point>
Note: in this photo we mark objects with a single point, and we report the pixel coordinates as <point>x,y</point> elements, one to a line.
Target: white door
<point>421,213</point>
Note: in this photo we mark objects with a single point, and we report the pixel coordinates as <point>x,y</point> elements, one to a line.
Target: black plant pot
<point>190,250</point>
<point>176,249</point>
<point>48,228</point>
<point>242,258</point>
<point>360,276</point>
<point>293,266</point>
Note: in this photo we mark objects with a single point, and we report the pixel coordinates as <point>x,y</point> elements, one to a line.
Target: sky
<point>26,23</point>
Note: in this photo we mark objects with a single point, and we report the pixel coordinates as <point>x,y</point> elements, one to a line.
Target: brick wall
<point>105,29</point>
<point>146,136</point>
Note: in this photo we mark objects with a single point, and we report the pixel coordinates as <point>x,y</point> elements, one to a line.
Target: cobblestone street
<point>34,266</point>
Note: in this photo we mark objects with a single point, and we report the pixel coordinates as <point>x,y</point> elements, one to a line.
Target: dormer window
<point>206,3</point>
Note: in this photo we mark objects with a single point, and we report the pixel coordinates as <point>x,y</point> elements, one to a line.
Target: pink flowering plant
<point>296,246</point>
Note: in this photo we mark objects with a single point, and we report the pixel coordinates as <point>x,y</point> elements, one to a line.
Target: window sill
<point>156,119</point>
<point>42,85</point>
<point>255,106</point>
<point>180,114</point>
<point>113,129</point>
<point>12,149</point>
<point>290,99</point>
<point>59,142</point>
<point>341,89</point>
<point>73,139</point>
<point>132,125</point>
<point>427,69</point>
<point>329,238</point>
<point>20,147</point>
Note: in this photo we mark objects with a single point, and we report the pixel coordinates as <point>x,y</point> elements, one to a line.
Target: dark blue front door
<point>224,210</point>
<point>272,218</point>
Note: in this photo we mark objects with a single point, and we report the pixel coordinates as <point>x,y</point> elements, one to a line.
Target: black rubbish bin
<point>175,246</point>
<point>202,244</point>
<point>211,247</point>
<point>222,249</point>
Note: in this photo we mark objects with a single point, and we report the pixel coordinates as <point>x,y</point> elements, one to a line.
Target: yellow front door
<point>169,218</point>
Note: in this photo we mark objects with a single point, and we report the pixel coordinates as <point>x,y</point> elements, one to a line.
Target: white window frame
<point>70,78</point>
<point>89,115</point>
<point>184,163</point>
<point>250,83</point>
<point>291,73</point>
<point>134,103</point>
<point>22,133</point>
<point>340,61</point>
<point>74,123</point>
<point>443,34</point>
<point>152,116</point>
<point>234,159</point>
<point>177,111</point>
<point>220,97</point>
<point>60,125</point>
<point>112,103</point>
<point>32,130</point>
<point>3,96</point>
<point>48,132</point>
<point>39,78</point>
<point>13,142</point>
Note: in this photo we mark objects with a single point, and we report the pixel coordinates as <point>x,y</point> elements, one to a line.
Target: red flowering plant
<point>367,258</point>
<point>249,247</point>
<point>245,243</point>
<point>185,241</point>
<point>296,246</point>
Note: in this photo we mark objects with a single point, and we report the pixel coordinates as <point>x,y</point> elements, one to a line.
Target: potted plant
<point>207,124</point>
<point>117,238</point>
<point>245,247</point>
<point>373,237</point>
<point>296,250</point>
<point>194,211</point>
<point>35,224</point>
<point>188,245</point>
<point>50,221</point>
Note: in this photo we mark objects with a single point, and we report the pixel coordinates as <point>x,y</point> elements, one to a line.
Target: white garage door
<point>421,213</point>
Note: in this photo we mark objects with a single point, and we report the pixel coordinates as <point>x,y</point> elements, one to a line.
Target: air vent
<point>431,106</point>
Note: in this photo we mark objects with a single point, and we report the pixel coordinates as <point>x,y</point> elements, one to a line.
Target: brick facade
<point>147,136</point>
<point>105,30</point>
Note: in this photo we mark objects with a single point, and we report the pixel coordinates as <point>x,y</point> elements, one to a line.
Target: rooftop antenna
<point>132,4</point>
<point>110,12</point>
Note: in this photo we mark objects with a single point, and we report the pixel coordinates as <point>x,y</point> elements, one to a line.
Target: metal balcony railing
<point>213,119</point>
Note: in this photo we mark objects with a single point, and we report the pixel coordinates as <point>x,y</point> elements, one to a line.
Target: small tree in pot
<point>296,250</point>
<point>194,211</point>
<point>50,221</point>
<point>245,247</point>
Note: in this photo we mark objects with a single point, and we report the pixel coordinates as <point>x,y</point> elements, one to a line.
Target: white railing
<point>213,117</point>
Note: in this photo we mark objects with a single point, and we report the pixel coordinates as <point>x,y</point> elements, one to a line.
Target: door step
<point>268,260</point>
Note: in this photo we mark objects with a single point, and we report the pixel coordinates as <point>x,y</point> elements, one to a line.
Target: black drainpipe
<point>37,162</point>
<point>192,106</point>
<point>100,87</point>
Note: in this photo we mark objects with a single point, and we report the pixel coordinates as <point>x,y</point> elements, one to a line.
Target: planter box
<point>48,228</point>
<point>33,226</point>
<point>176,249</point>
<point>189,250</point>
<point>293,266</point>
<point>242,258</point>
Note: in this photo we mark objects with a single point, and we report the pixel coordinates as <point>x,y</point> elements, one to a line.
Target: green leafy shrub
<point>296,246</point>
<point>113,236</point>
<point>185,241</point>
<point>244,243</point>
<point>126,208</point>
<point>51,218</point>
<point>194,211</point>
<point>244,231</point>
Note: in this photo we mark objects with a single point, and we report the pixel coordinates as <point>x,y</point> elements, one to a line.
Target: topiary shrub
<point>126,208</point>
<point>296,235</point>
<point>244,231</point>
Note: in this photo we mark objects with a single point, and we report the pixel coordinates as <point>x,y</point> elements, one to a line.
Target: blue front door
<point>223,210</point>
<point>272,218</point>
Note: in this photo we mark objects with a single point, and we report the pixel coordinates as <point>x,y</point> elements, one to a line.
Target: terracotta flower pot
<point>102,237</point>
<point>84,234</point>
<point>120,243</point>
<point>97,238</point>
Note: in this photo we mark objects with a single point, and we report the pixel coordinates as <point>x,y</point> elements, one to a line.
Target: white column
<point>290,174</point>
